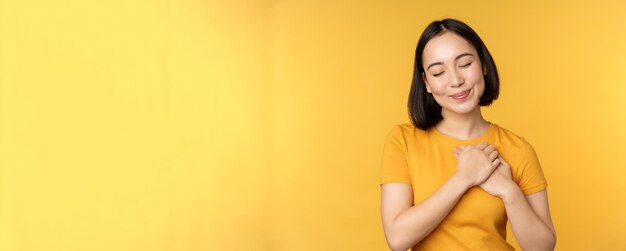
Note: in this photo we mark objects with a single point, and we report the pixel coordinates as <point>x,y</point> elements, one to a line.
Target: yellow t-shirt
<point>425,160</point>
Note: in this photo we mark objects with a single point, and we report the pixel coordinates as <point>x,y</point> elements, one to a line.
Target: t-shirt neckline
<point>459,142</point>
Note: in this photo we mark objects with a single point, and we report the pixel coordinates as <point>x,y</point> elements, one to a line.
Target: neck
<point>463,126</point>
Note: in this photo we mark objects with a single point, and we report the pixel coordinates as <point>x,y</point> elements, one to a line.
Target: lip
<point>461,95</point>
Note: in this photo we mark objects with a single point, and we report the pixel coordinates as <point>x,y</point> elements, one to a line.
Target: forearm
<point>416,222</point>
<point>529,230</point>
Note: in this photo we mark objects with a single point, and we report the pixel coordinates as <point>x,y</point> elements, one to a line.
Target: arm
<point>529,216</point>
<point>405,225</point>
<point>530,219</point>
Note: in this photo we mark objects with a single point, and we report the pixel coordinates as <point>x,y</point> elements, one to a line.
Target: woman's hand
<point>499,181</point>
<point>476,163</point>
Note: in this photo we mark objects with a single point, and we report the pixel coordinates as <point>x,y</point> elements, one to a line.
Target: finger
<point>503,162</point>
<point>493,155</point>
<point>504,169</point>
<point>489,149</point>
<point>495,163</point>
<point>503,165</point>
<point>464,148</point>
<point>482,145</point>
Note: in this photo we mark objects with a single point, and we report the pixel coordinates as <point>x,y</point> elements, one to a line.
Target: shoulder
<point>406,130</point>
<point>409,137</point>
<point>515,144</point>
<point>511,139</point>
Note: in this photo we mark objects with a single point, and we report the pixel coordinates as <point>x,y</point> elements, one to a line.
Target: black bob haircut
<point>424,111</point>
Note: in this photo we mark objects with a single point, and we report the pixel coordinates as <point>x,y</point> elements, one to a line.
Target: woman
<point>450,179</point>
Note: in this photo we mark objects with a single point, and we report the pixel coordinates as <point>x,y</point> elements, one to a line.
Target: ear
<point>426,83</point>
<point>484,70</point>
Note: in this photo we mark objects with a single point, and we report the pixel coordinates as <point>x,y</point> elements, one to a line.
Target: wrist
<point>511,193</point>
<point>462,181</point>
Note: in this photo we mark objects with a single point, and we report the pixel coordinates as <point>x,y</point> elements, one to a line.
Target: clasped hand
<point>482,165</point>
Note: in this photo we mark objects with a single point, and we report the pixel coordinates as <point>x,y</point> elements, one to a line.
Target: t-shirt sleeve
<point>395,167</point>
<point>531,179</point>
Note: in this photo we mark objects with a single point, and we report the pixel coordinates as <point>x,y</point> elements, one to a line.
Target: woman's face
<point>453,73</point>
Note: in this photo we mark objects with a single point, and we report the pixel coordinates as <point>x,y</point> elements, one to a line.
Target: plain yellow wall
<point>134,125</point>
<point>233,125</point>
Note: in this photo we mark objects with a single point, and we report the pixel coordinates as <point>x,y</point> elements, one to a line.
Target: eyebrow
<point>456,58</point>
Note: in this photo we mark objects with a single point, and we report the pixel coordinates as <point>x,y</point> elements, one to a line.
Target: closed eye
<point>438,74</point>
<point>466,65</point>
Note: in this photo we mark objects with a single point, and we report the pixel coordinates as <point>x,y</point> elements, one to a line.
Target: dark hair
<point>423,109</point>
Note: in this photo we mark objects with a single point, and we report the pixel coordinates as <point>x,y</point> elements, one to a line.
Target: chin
<point>465,109</point>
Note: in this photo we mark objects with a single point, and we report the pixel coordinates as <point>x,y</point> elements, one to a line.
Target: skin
<point>452,67</point>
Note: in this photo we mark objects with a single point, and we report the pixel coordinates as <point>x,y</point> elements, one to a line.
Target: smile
<point>461,95</point>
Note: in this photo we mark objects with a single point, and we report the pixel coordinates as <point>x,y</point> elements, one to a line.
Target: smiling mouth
<point>461,95</point>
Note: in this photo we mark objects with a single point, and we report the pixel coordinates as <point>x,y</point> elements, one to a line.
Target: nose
<point>457,79</point>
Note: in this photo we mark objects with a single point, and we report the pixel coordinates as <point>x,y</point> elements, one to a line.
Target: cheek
<point>477,79</point>
<point>436,86</point>
<point>479,89</point>
<point>475,75</point>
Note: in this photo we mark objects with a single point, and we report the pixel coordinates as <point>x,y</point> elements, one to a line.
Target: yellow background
<point>235,125</point>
